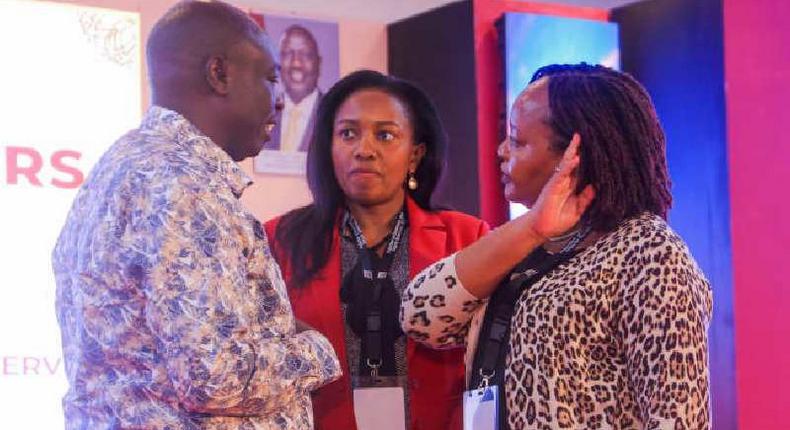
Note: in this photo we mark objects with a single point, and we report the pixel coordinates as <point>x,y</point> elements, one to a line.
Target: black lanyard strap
<point>495,332</point>
<point>375,272</point>
<point>385,263</point>
<point>489,359</point>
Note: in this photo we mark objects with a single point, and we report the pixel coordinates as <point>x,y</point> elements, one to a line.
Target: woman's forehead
<point>374,102</point>
<point>532,103</point>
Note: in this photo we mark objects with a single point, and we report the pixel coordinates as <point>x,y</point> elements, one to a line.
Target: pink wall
<point>362,45</point>
<point>757,75</point>
<point>490,99</point>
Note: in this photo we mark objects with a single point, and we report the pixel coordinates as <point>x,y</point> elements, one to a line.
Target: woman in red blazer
<point>372,166</point>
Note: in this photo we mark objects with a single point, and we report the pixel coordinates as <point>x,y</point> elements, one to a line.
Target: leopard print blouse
<point>616,338</point>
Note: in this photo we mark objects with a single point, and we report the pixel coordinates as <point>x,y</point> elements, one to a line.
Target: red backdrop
<point>757,73</point>
<point>490,93</point>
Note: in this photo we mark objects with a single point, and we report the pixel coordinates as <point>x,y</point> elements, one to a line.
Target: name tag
<point>380,408</point>
<point>481,408</point>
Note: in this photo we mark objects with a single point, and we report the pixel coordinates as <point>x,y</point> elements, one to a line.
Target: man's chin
<point>252,151</point>
<point>298,94</point>
<point>258,147</point>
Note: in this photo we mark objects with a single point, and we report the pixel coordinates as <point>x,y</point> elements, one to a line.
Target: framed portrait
<point>309,64</point>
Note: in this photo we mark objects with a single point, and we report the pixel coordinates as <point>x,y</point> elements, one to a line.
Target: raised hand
<point>559,208</point>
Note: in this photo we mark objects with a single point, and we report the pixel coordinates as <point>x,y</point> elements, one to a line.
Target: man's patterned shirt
<point>173,313</point>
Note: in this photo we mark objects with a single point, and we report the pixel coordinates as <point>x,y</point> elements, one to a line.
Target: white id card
<point>481,408</point>
<point>380,408</point>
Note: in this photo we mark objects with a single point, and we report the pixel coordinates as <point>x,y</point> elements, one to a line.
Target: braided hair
<point>623,150</point>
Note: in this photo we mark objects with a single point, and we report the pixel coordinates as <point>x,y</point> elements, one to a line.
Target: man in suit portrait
<point>300,64</point>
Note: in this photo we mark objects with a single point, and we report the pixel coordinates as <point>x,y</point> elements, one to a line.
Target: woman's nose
<point>365,147</point>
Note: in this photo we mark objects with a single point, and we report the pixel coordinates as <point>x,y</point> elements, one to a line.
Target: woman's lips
<point>364,173</point>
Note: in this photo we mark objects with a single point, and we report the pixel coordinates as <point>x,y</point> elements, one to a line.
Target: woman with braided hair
<point>588,311</point>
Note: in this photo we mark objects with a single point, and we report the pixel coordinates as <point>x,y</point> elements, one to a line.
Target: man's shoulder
<point>144,163</point>
<point>318,96</point>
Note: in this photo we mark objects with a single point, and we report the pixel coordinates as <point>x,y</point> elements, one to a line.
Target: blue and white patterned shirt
<point>173,313</point>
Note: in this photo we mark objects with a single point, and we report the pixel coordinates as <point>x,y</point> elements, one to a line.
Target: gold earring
<point>412,182</point>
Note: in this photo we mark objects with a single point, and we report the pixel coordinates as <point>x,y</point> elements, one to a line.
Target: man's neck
<point>302,99</point>
<point>375,221</point>
<point>202,119</point>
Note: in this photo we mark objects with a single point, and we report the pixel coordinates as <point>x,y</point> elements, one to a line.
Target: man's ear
<point>217,74</point>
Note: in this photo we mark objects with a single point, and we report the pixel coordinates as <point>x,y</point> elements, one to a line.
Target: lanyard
<point>367,254</point>
<point>375,271</point>
<point>489,359</point>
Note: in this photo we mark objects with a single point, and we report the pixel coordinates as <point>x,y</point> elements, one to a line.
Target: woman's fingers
<point>570,159</point>
<point>572,151</point>
<point>559,194</point>
<point>585,198</point>
<point>565,172</point>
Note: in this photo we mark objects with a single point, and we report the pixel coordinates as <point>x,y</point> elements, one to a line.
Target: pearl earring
<point>412,182</point>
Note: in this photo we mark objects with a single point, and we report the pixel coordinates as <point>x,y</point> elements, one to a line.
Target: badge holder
<point>379,401</point>
<point>481,405</point>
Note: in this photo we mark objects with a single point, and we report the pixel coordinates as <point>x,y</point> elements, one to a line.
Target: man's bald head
<point>298,30</point>
<point>212,64</point>
<point>188,35</point>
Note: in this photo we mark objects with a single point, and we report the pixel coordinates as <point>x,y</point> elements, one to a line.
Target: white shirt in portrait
<point>295,120</point>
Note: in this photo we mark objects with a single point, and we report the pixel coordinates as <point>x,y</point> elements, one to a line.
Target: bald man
<point>173,313</point>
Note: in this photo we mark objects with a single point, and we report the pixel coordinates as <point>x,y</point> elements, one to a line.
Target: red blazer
<point>436,378</point>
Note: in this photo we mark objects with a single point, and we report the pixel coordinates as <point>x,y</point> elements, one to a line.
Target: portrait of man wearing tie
<point>307,51</point>
<point>300,68</point>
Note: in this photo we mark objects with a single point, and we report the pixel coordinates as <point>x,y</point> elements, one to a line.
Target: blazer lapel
<point>427,238</point>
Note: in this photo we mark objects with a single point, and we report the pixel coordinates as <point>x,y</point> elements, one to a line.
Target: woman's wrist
<point>530,230</point>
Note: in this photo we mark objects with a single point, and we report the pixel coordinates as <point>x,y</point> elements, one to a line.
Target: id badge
<point>481,408</point>
<point>379,403</point>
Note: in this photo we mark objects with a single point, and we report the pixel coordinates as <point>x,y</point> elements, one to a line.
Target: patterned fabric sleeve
<point>195,278</point>
<point>436,309</point>
<point>663,318</point>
